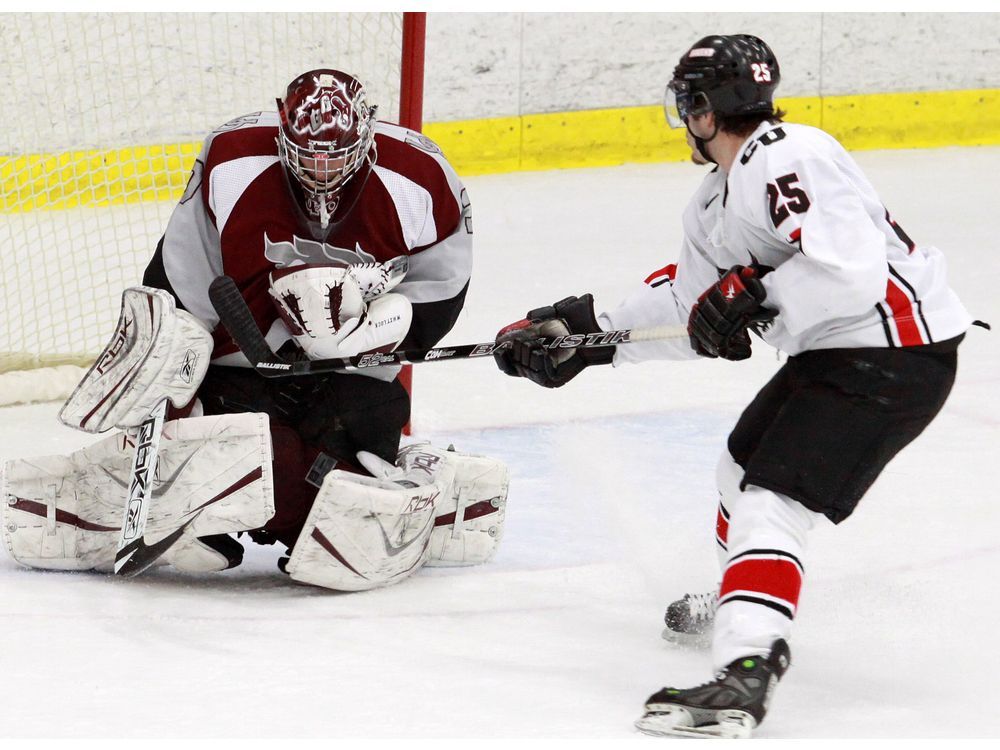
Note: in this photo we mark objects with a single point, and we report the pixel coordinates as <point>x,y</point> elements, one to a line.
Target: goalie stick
<point>134,555</point>
<point>235,316</point>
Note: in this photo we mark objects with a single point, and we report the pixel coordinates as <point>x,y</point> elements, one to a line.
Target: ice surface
<point>610,517</point>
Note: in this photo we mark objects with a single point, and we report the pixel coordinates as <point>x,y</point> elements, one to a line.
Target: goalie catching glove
<point>524,355</point>
<point>336,311</point>
<point>720,318</point>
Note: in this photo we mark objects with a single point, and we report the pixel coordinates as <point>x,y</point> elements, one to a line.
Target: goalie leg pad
<point>212,473</point>
<point>433,507</point>
<point>469,517</point>
<point>363,533</point>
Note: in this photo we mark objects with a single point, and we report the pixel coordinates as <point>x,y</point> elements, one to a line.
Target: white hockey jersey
<point>845,274</point>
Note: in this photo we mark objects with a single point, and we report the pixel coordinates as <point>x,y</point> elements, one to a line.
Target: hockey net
<point>106,113</point>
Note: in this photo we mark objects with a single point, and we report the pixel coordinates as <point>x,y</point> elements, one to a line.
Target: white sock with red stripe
<point>766,540</point>
<point>728,475</point>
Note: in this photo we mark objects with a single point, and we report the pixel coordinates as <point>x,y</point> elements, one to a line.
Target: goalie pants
<point>807,447</point>
<point>318,422</point>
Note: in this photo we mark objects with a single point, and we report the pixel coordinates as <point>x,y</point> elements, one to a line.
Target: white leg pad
<point>434,507</point>
<point>192,556</point>
<point>65,512</point>
<point>363,533</point>
<point>468,524</point>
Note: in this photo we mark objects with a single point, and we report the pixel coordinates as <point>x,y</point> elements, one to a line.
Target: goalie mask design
<point>326,142</point>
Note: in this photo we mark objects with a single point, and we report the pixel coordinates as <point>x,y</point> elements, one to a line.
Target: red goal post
<point>411,108</point>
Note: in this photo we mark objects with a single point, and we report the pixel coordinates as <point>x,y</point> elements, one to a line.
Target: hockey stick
<point>235,316</point>
<point>134,555</point>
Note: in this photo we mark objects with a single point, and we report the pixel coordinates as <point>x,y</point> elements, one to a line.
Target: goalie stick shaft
<point>133,556</point>
<point>235,316</point>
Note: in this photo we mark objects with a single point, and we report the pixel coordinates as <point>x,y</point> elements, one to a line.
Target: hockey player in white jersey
<point>344,235</point>
<point>785,238</point>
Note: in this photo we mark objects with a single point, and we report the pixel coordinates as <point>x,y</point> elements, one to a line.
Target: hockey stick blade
<point>138,556</point>
<point>235,316</point>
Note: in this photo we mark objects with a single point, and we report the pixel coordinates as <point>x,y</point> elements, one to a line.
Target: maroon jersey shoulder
<point>249,135</point>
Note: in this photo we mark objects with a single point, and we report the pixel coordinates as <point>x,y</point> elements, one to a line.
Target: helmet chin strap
<point>324,214</point>
<point>702,143</point>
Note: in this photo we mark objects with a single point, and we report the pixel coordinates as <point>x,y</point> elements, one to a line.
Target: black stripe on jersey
<point>661,282</point>
<point>155,275</point>
<point>885,324</point>
<point>774,552</point>
<point>725,513</point>
<point>898,230</point>
<point>916,300</point>
<point>763,602</point>
<point>432,320</point>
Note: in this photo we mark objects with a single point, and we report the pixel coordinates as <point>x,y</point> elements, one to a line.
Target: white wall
<point>502,64</point>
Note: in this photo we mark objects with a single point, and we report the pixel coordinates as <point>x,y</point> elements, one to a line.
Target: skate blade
<point>733,725</point>
<point>687,640</point>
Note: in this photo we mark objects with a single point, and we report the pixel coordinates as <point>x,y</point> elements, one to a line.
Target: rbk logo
<point>730,291</point>
<point>391,550</point>
<point>188,365</point>
<point>122,336</point>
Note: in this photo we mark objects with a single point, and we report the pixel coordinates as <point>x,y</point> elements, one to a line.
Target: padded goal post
<point>105,116</point>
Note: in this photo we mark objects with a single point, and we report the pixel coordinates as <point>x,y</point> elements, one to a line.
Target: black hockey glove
<point>720,318</point>
<point>526,358</point>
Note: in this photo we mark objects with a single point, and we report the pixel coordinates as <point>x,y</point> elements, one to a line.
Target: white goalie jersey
<point>840,271</point>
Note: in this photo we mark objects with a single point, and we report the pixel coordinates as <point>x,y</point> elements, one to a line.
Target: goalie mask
<point>326,142</point>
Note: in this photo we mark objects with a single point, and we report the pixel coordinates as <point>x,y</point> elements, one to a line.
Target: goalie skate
<point>729,707</point>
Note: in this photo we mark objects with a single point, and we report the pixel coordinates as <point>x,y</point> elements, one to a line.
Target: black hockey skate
<point>689,620</point>
<point>730,706</point>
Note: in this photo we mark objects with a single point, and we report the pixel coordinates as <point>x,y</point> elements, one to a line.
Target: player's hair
<point>744,125</point>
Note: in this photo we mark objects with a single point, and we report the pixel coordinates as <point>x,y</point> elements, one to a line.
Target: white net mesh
<point>104,116</point>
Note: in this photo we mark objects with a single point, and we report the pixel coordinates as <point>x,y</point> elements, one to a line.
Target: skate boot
<point>689,620</point>
<point>730,706</point>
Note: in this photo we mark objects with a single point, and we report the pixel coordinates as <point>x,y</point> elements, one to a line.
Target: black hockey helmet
<point>727,74</point>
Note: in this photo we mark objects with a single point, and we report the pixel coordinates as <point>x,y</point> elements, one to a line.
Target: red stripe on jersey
<point>721,526</point>
<point>669,271</point>
<point>796,235</point>
<point>902,314</point>
<point>778,578</point>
